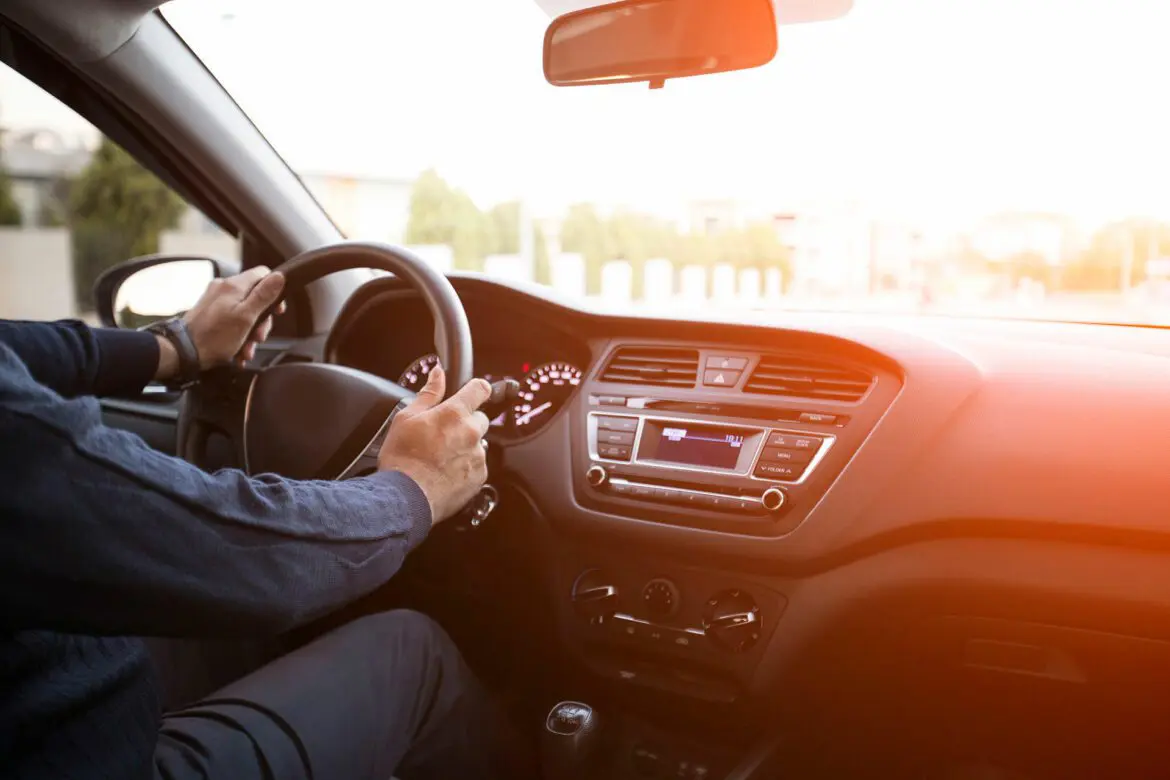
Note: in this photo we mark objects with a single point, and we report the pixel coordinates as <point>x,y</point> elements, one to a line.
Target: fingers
<point>470,397</point>
<point>481,424</point>
<point>432,392</point>
<point>244,282</point>
<point>260,333</point>
<point>263,293</point>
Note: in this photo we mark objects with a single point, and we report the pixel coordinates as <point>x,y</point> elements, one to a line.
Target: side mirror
<point>656,40</point>
<point>146,289</point>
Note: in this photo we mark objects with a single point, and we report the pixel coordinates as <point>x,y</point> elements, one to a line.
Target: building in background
<point>38,162</point>
<point>375,208</point>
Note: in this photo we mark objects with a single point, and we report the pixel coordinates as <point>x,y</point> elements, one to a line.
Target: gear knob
<point>571,740</point>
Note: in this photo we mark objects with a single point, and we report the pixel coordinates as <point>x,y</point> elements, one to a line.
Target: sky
<point>930,109</point>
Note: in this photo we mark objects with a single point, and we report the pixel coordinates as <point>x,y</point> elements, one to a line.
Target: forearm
<point>104,535</point>
<point>73,359</point>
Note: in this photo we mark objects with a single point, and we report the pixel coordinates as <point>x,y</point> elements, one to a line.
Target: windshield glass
<point>976,157</point>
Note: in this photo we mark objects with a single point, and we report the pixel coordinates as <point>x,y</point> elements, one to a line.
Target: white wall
<point>36,274</point>
<point>218,245</point>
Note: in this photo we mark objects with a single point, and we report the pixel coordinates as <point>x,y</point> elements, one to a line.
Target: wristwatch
<point>175,331</point>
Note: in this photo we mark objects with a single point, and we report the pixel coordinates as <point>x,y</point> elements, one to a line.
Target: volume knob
<point>773,499</point>
<point>596,476</point>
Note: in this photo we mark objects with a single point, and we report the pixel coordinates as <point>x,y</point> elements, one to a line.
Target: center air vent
<point>797,377</point>
<point>659,366</point>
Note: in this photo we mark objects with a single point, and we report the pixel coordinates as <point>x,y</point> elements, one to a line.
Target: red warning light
<point>525,368</point>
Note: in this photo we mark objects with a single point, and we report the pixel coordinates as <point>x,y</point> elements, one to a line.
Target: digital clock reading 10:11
<point>699,446</point>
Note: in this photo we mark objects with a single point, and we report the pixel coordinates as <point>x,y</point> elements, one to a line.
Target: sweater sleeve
<point>103,535</point>
<point>74,359</point>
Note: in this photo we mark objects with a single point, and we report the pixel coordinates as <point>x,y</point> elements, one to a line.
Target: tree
<point>585,233</point>
<point>117,210</point>
<point>505,219</point>
<point>441,214</point>
<point>10,215</point>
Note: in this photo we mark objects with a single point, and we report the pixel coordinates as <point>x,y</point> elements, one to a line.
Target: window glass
<point>73,203</point>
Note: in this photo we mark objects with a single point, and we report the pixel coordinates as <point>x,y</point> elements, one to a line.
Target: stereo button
<point>625,424</point>
<point>779,470</point>
<point>613,451</point>
<point>725,363</point>
<point>615,437</point>
<point>777,455</point>
<point>789,441</point>
<point>818,417</point>
<point>717,378</point>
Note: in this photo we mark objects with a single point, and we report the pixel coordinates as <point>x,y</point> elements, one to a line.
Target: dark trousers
<point>385,696</point>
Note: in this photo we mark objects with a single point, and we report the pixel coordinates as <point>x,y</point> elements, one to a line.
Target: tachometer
<point>415,375</point>
<point>544,390</point>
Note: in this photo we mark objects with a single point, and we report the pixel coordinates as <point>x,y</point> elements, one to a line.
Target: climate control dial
<point>661,598</point>
<point>731,620</point>
<point>594,595</point>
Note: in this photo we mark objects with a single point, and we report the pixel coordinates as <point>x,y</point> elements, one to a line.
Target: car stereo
<point>700,463</point>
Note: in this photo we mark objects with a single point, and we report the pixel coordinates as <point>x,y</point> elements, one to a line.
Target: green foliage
<point>441,214</point>
<point>1101,266</point>
<point>117,210</point>
<point>10,215</point>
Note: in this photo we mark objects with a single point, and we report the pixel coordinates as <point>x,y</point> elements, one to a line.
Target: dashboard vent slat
<point>797,377</point>
<point>658,366</point>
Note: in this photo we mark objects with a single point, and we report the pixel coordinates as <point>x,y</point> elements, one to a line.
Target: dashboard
<point>718,505</point>
<point>388,335</point>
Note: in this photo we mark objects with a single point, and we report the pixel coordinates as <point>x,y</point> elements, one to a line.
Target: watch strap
<point>175,331</point>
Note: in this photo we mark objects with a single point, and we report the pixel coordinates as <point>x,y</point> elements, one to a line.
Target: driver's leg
<point>386,695</point>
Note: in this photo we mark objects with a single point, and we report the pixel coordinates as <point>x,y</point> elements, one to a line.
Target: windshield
<point>976,157</point>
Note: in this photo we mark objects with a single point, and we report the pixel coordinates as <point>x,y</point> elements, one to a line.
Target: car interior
<point>825,545</point>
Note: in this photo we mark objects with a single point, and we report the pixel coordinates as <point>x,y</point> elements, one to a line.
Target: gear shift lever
<point>570,742</point>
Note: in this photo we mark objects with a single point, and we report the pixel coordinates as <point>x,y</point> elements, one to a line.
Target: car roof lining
<point>81,31</point>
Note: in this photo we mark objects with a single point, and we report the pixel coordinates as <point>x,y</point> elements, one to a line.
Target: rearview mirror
<point>655,40</point>
<point>146,289</point>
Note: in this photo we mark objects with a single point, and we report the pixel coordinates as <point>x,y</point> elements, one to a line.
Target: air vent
<point>797,377</point>
<point>653,366</point>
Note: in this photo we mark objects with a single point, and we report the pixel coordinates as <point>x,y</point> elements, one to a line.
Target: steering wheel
<point>317,420</point>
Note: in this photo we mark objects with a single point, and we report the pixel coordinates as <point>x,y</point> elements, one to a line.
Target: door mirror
<point>152,288</point>
<point>655,40</point>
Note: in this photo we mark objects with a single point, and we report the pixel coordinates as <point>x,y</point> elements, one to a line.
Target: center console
<point>723,440</point>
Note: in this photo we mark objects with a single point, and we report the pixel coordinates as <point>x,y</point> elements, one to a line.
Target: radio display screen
<point>692,445</point>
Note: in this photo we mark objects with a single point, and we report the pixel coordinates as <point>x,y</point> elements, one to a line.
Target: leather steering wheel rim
<point>452,333</point>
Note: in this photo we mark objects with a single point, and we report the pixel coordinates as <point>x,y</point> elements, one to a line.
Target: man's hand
<point>224,322</point>
<point>439,445</point>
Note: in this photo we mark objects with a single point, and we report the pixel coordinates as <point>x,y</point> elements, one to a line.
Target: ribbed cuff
<point>412,505</point>
<point>128,360</point>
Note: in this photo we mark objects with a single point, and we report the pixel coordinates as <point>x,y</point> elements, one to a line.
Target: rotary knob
<point>660,597</point>
<point>594,596</point>
<point>596,476</point>
<point>773,499</point>
<point>732,621</point>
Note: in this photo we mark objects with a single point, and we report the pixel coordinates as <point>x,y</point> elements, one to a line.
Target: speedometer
<point>415,375</point>
<point>543,391</point>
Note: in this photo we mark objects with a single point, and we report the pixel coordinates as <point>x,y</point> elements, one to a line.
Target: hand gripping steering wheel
<point>317,420</point>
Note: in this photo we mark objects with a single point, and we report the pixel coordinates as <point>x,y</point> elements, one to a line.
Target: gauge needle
<point>524,418</point>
